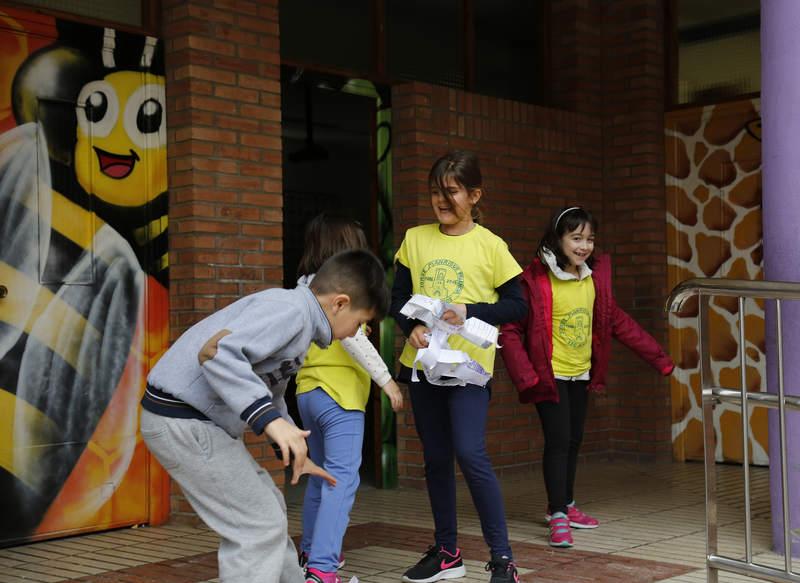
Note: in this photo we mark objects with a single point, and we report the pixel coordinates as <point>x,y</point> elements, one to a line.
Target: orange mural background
<point>83,224</point>
<point>713,186</point>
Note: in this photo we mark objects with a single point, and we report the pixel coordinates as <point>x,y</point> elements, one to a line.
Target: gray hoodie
<point>244,382</point>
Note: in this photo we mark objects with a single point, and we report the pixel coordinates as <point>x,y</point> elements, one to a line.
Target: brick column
<point>576,55</point>
<point>224,153</point>
<point>634,229</point>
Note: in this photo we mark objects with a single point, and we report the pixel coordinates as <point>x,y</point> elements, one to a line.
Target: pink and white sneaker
<point>560,532</point>
<point>316,576</point>
<point>303,560</point>
<point>577,518</point>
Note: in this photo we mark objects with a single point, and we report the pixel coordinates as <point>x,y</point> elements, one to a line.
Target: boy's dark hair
<point>463,167</point>
<point>357,273</point>
<point>325,236</point>
<point>565,220</point>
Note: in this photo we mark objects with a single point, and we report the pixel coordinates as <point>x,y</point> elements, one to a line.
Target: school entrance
<point>336,134</point>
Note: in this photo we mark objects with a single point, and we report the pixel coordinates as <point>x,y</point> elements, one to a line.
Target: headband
<point>572,208</point>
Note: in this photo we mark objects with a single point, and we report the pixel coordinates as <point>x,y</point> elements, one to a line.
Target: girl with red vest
<point>560,351</point>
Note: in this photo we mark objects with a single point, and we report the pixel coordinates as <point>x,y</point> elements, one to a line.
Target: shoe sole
<point>448,574</point>
<point>564,545</point>
<point>574,524</point>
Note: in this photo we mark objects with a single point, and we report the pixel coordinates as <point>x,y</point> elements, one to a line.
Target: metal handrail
<point>713,286</point>
<point>704,289</point>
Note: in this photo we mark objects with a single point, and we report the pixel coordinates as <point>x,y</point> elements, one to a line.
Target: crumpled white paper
<point>440,364</point>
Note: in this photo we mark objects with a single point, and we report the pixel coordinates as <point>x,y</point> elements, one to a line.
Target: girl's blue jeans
<point>334,444</point>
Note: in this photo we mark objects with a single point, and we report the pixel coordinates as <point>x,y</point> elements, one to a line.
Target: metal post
<point>748,527</point>
<point>787,540</point>
<point>709,439</point>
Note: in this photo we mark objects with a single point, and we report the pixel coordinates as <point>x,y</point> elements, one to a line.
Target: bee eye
<point>96,106</point>
<point>145,116</point>
<point>148,118</point>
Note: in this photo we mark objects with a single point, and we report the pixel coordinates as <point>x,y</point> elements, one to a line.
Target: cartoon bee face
<point>120,154</point>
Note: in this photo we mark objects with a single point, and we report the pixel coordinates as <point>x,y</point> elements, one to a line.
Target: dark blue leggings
<point>562,425</point>
<point>451,422</point>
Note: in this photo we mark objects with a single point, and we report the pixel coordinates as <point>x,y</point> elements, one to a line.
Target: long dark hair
<point>324,237</point>
<point>565,220</point>
<point>463,167</point>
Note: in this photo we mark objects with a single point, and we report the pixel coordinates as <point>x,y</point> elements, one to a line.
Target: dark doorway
<point>329,165</point>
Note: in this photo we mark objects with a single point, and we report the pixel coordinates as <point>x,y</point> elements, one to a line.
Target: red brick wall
<point>533,160</point>
<point>224,152</point>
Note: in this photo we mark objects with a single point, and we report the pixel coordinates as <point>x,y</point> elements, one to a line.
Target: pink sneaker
<point>577,518</point>
<point>316,576</point>
<point>560,532</point>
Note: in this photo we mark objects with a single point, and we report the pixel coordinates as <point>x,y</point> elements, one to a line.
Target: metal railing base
<point>750,569</point>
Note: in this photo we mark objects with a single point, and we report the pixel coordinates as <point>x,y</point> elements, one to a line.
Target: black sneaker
<point>503,570</point>
<point>436,564</point>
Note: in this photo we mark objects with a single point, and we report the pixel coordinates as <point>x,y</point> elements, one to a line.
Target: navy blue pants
<point>451,423</point>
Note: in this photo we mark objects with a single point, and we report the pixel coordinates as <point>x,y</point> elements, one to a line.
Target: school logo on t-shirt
<point>575,328</point>
<point>442,279</point>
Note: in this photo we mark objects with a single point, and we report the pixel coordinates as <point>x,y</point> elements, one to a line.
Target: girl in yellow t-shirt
<point>464,264</point>
<point>333,388</point>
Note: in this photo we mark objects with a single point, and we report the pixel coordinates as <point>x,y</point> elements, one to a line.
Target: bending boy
<point>229,371</point>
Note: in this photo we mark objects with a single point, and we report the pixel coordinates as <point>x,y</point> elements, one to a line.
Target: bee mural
<point>83,254</point>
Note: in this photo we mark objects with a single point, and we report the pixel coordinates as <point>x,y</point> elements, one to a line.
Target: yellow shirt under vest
<point>462,269</point>
<point>335,371</point>
<point>573,305</point>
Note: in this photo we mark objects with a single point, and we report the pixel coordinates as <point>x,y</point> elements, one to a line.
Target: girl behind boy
<point>561,350</point>
<point>462,263</point>
<point>333,388</point>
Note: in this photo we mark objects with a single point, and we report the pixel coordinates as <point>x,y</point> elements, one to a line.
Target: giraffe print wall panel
<point>713,189</point>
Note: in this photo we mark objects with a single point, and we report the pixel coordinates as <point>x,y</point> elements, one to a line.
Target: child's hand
<point>395,396</point>
<point>456,314</point>
<point>417,338</point>
<point>313,469</point>
<point>292,442</point>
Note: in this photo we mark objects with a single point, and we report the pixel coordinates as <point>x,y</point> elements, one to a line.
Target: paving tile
<point>652,529</point>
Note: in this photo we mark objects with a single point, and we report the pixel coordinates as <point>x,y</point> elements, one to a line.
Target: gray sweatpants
<point>231,493</point>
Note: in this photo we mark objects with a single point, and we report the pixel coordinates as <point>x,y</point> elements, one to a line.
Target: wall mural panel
<point>713,184</point>
<point>83,253</point>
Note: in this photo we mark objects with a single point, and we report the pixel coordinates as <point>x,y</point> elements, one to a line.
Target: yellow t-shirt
<point>463,269</point>
<point>335,371</point>
<point>573,305</point>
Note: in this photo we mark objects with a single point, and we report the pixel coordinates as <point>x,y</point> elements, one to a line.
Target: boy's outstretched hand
<point>313,469</point>
<point>395,396</point>
<point>292,442</point>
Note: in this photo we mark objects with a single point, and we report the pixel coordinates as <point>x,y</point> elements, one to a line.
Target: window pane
<point>719,53</point>
<point>122,11</point>
<point>425,40</point>
<point>336,33</point>
<point>506,48</point>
